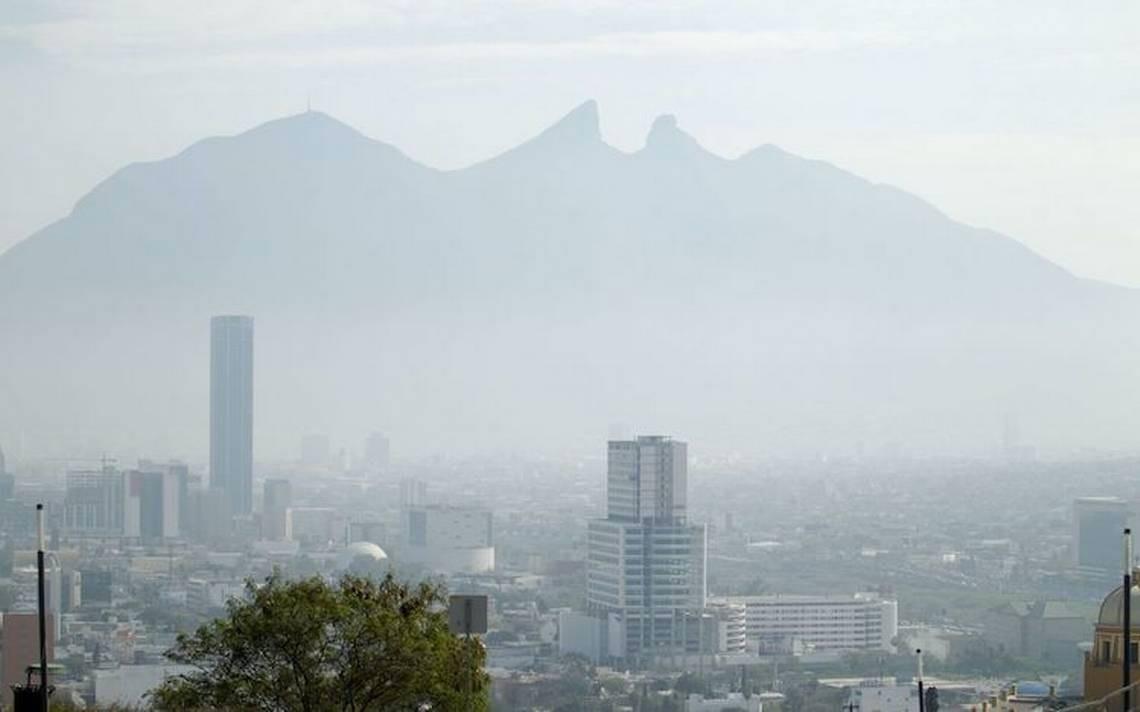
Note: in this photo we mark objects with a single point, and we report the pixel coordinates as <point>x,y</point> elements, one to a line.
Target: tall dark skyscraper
<point>231,410</point>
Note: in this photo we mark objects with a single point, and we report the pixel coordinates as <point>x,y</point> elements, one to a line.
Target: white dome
<point>358,550</point>
<point>1112,610</point>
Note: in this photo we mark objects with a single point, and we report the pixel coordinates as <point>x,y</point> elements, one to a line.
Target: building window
<point>1106,651</point>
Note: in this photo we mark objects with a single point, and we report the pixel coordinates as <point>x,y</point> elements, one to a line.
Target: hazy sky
<point>1020,116</point>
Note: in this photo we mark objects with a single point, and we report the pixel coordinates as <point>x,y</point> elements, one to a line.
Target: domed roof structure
<point>356,551</point>
<point>1112,609</point>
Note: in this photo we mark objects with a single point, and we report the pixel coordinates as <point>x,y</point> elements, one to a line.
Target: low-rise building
<point>731,702</point>
<point>20,637</point>
<point>882,695</point>
<point>726,628</point>
<point>450,539</point>
<point>825,623</point>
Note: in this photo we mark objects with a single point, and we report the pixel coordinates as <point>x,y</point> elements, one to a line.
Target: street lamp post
<point>921,693</point>
<point>1126,602</point>
<point>41,605</point>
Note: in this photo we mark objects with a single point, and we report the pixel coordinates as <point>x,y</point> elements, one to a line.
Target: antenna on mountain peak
<point>308,104</point>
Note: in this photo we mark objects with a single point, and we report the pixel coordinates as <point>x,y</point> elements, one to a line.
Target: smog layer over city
<point>575,357</point>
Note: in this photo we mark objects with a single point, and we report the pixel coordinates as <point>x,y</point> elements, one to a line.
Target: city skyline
<point>609,356</point>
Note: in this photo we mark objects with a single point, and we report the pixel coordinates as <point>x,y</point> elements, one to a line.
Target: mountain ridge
<point>562,267</point>
<point>581,122</point>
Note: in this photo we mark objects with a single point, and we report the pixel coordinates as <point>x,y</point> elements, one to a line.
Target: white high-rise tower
<point>646,565</point>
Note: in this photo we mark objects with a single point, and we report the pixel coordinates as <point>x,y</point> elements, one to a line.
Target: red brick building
<point>21,636</point>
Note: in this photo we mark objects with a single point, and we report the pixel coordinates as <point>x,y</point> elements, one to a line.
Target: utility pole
<point>469,677</point>
<point>1126,602</point>
<point>701,645</point>
<point>41,606</point>
<point>921,693</point>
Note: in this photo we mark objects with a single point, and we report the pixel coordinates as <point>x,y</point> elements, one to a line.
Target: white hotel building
<point>827,623</point>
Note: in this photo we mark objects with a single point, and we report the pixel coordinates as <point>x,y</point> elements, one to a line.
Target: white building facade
<point>826,623</point>
<point>450,539</point>
<point>728,623</point>
<point>883,695</point>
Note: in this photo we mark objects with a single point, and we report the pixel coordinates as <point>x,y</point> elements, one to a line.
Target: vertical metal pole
<point>41,605</point>
<point>701,646</point>
<point>470,676</point>
<point>1126,601</point>
<point>685,639</point>
<point>921,696</point>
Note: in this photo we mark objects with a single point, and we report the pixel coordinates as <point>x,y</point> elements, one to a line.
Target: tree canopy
<point>306,645</point>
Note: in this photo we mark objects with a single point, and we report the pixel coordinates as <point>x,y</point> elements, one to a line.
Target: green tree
<point>305,645</point>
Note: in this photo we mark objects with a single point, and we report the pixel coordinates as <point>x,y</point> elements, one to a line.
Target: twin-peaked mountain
<point>763,303</point>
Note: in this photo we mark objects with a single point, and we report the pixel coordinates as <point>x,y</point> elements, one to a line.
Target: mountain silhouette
<point>766,303</point>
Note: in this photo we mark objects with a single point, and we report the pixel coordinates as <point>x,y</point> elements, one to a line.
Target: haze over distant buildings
<point>793,306</point>
<point>913,420</point>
